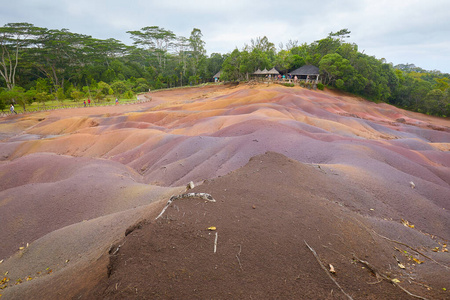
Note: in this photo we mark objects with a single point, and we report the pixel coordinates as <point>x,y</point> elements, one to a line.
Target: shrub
<point>320,86</point>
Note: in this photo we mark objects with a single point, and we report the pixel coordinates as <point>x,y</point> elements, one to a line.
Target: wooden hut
<point>273,72</point>
<point>307,73</point>
<point>257,72</point>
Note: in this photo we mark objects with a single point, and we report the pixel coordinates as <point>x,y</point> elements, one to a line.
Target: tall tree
<point>182,47</point>
<point>156,40</point>
<point>198,48</point>
<point>14,39</point>
<point>60,55</point>
<point>263,44</point>
<point>231,67</point>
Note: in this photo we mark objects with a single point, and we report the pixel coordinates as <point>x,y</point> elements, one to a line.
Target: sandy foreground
<point>318,195</point>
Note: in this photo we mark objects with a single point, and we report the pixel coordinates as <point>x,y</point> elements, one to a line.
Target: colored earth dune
<point>373,179</point>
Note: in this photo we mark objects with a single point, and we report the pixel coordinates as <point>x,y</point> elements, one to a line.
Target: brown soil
<point>265,214</point>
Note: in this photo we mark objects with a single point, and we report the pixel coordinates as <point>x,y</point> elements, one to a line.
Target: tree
<point>197,48</point>
<point>334,67</point>
<point>182,47</point>
<point>119,88</point>
<point>76,95</point>
<point>341,34</point>
<point>263,44</point>
<point>231,67</point>
<point>14,95</point>
<point>14,39</point>
<point>214,63</point>
<point>59,55</point>
<point>154,39</point>
<point>434,102</point>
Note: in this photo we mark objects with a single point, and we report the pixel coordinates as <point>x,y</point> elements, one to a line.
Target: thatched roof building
<point>273,71</point>
<point>307,72</point>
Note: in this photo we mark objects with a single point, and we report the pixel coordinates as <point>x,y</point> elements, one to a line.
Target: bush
<point>320,86</point>
<point>129,95</point>
<point>288,84</point>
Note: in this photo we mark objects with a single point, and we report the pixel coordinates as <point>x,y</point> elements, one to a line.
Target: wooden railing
<point>42,108</point>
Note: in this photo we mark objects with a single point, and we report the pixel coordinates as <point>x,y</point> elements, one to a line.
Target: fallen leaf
<point>395,280</point>
<point>444,289</point>
<point>1,261</point>
<point>21,248</point>
<point>401,266</point>
<point>212,228</point>
<point>435,249</point>
<point>418,261</point>
<point>407,224</point>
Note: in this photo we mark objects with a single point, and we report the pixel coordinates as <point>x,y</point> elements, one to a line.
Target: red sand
<point>72,181</point>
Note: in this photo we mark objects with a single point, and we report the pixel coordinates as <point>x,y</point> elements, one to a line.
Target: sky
<point>400,31</point>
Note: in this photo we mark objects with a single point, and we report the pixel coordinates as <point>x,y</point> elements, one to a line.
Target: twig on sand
<point>326,271</point>
<point>237,256</point>
<point>394,241</point>
<point>378,274</point>
<point>204,196</point>
<point>117,249</point>
<point>215,243</point>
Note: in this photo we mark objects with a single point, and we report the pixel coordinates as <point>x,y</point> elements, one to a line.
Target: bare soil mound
<point>266,215</point>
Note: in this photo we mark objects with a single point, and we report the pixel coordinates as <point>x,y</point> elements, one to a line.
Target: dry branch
<point>326,271</point>
<point>378,274</point>
<point>215,244</point>
<point>406,245</point>
<point>237,256</point>
<point>204,196</point>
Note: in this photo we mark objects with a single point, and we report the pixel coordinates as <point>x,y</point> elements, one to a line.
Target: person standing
<point>89,101</point>
<point>11,109</point>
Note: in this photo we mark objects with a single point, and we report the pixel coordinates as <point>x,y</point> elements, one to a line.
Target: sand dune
<point>72,181</point>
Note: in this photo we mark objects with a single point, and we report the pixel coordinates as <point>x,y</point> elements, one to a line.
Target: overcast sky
<point>401,31</point>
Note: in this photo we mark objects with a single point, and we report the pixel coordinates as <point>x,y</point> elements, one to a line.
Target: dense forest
<point>38,64</point>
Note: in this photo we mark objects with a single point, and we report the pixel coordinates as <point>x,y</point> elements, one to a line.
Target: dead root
<point>401,243</point>
<point>325,269</point>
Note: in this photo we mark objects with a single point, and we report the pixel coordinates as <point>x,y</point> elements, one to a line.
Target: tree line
<point>38,64</point>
